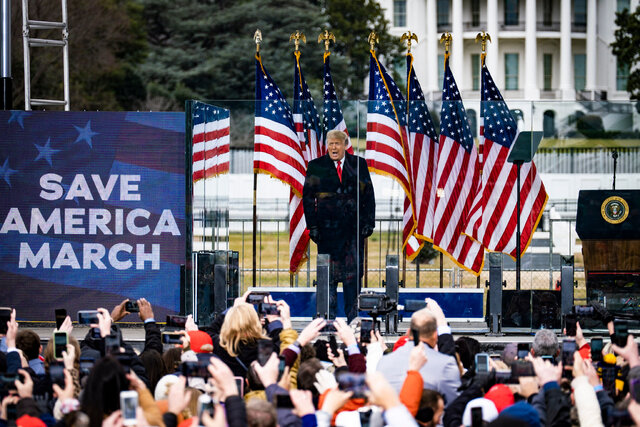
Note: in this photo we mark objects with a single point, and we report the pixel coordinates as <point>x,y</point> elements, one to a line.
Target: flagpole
<point>257,37</point>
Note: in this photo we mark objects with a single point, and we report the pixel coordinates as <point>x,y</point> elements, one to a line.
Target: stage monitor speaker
<point>392,289</point>
<point>566,283</point>
<point>220,282</point>
<point>392,278</point>
<point>216,283</point>
<point>203,295</point>
<point>495,290</point>
<point>323,275</point>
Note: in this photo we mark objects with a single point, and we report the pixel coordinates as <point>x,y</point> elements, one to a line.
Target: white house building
<point>540,49</point>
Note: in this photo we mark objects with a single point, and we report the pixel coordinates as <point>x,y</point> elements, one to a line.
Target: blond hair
<point>241,325</point>
<point>337,134</point>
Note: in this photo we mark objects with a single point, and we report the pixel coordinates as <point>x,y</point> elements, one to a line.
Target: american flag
<point>493,216</point>
<point>423,153</point>
<point>210,141</point>
<point>307,123</point>
<point>387,146</point>
<point>457,179</point>
<point>276,145</point>
<point>332,117</point>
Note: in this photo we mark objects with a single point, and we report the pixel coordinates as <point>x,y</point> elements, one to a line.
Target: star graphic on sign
<point>85,134</point>
<point>6,171</point>
<point>18,117</point>
<point>46,152</point>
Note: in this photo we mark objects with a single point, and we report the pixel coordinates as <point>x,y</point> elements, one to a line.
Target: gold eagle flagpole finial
<point>327,38</point>
<point>257,37</point>
<point>297,37</point>
<point>373,39</point>
<point>483,37</point>
<point>446,39</point>
<point>408,36</point>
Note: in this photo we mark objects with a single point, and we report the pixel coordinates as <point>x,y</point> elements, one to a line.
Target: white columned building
<point>558,49</point>
<point>566,71</point>
<point>531,90</point>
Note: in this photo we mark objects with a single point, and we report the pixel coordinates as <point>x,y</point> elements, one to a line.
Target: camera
<point>373,301</point>
<point>353,382</point>
<point>195,369</point>
<point>265,308</point>
<point>132,307</point>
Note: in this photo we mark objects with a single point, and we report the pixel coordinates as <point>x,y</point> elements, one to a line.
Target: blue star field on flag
<point>454,122</point>
<point>499,125</point>
<point>419,118</point>
<point>303,104</point>
<point>382,96</point>
<point>270,103</point>
<point>332,111</point>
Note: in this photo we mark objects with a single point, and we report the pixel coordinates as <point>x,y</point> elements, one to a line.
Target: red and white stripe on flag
<point>211,148</point>
<point>493,216</point>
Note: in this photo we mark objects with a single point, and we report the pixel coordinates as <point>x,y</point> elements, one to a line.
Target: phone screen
<point>265,348</point>
<point>366,326</point>
<point>240,385</point>
<point>132,307</point>
<point>128,406</point>
<point>570,325</point>
<point>176,321</point>
<point>5,316</point>
<point>596,349</point>
<point>482,362</point>
<point>568,348</point>
<point>609,378</point>
<point>621,332</point>
<point>348,381</point>
<point>56,373</point>
<point>60,341</point>
<point>523,350</point>
<point>283,401</point>
<point>12,412</point>
<point>168,338</point>
<point>112,344</point>
<point>87,317</point>
<point>476,417</point>
<point>61,314</point>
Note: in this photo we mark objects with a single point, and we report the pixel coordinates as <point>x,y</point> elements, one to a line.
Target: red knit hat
<point>200,342</point>
<point>501,396</point>
<point>29,421</point>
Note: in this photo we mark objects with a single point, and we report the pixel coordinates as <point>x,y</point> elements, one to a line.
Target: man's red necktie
<point>339,169</point>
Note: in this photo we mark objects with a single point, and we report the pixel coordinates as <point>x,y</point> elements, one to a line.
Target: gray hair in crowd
<point>545,343</point>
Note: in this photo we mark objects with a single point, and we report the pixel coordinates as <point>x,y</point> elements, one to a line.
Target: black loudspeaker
<point>392,288</point>
<point>495,291</point>
<point>566,283</point>
<point>204,262</point>
<point>323,267</point>
<point>216,285</point>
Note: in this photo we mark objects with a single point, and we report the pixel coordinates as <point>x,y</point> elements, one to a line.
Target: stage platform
<point>134,334</point>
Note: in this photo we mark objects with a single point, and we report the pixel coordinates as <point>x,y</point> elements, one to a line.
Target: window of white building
<point>622,5</point>
<point>580,13</point>
<point>443,12</point>
<point>547,71</point>
<point>579,70</point>
<point>511,71</point>
<point>622,75</point>
<point>511,12</point>
<point>475,71</point>
<point>400,13</point>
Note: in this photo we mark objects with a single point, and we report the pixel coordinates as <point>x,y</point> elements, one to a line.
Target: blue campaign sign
<point>92,210</point>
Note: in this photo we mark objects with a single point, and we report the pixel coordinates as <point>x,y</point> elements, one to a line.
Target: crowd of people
<point>248,369</point>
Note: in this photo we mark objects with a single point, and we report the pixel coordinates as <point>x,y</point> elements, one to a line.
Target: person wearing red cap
<point>501,396</point>
<point>200,342</point>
